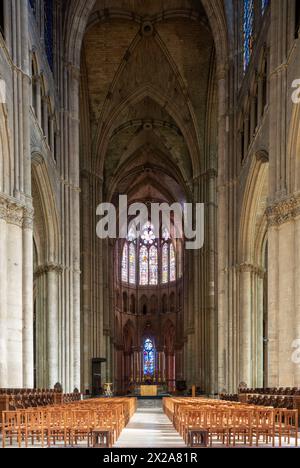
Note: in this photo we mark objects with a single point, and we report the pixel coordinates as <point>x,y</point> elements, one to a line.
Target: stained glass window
<point>144,266</point>
<point>125,263</point>
<point>147,260</point>
<point>132,264</point>
<point>153,266</point>
<point>248,24</point>
<point>48,10</point>
<point>149,358</point>
<point>33,5</point>
<point>165,234</point>
<point>264,5</point>
<point>165,263</point>
<point>148,236</point>
<point>179,260</point>
<point>172,263</point>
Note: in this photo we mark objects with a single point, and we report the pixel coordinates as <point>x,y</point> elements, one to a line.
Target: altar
<point>149,390</point>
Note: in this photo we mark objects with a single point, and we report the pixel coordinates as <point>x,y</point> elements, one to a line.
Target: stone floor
<point>150,428</point>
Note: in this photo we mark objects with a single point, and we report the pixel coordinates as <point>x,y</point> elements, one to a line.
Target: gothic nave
<point>164,102</point>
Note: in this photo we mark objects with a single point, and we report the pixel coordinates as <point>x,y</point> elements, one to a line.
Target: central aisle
<point>150,427</point>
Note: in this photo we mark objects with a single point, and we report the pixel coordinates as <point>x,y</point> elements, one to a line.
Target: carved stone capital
<point>14,215</point>
<point>209,174</point>
<point>284,211</point>
<point>48,268</point>
<point>249,268</point>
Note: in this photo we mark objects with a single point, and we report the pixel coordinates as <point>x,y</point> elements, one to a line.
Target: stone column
<point>45,117</point>
<point>286,305</point>
<point>259,343</point>
<point>222,234</point>
<point>74,178</point>
<point>51,134</point>
<point>28,299</point>
<point>273,299</point>
<point>3,299</point>
<point>253,116</point>
<point>38,101</point>
<point>14,321</point>
<point>246,135</point>
<point>211,293</point>
<point>246,324</point>
<point>52,324</point>
<point>296,343</point>
<point>260,99</point>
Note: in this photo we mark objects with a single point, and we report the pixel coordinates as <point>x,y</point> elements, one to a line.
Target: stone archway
<point>253,235</point>
<point>46,278</point>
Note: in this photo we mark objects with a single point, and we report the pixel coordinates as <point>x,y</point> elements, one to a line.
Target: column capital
<point>48,268</point>
<point>250,268</point>
<point>16,213</point>
<point>284,210</point>
<point>209,174</point>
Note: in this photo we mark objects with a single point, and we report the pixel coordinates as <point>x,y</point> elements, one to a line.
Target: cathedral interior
<point>164,101</point>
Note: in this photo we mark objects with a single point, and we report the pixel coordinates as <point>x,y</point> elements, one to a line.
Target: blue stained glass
<point>32,3</point>
<point>248,23</point>
<point>264,5</point>
<point>149,358</point>
<point>48,11</point>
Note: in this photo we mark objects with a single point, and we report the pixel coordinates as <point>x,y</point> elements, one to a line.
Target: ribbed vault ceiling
<point>146,73</point>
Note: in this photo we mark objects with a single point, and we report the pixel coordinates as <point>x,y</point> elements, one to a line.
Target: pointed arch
<point>46,217</point>
<point>256,184</point>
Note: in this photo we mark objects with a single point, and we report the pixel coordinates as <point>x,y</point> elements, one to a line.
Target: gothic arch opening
<point>149,107</point>
<point>253,276</point>
<point>46,279</point>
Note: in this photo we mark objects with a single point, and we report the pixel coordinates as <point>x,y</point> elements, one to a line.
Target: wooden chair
<point>263,425</point>
<point>35,426</point>
<point>241,426</point>
<point>81,427</point>
<point>286,425</point>
<point>11,428</point>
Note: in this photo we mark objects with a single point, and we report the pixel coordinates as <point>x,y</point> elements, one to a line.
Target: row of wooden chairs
<point>23,399</point>
<point>231,423</point>
<point>66,424</point>
<point>281,391</point>
<point>274,401</point>
<point>26,391</point>
<point>229,397</point>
